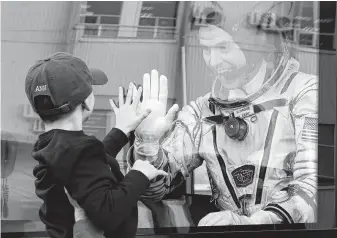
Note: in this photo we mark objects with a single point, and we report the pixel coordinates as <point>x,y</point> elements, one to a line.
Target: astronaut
<point>257,130</point>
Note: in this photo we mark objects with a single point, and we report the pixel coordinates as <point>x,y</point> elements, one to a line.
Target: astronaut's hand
<point>224,218</point>
<point>79,212</point>
<point>152,128</point>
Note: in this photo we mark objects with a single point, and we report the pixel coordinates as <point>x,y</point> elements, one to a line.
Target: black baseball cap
<point>66,79</point>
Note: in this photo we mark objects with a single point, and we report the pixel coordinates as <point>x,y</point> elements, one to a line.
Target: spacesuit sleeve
<point>178,153</point>
<point>301,203</point>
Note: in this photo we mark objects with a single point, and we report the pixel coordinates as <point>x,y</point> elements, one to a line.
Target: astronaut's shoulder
<point>202,101</point>
<point>198,106</point>
<point>304,82</point>
<point>295,82</point>
<point>303,78</point>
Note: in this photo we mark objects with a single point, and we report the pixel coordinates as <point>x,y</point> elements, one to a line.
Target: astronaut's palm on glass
<point>159,121</point>
<point>256,130</point>
<point>153,99</point>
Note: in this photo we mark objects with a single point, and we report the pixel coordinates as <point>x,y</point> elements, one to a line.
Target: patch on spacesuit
<point>310,130</point>
<point>243,176</point>
<point>244,112</point>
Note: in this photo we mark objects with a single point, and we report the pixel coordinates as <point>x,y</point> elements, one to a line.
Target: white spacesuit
<point>259,142</point>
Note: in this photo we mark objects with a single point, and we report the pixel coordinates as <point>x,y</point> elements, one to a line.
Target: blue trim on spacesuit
<point>287,84</point>
<point>281,212</point>
<point>223,169</point>
<point>265,158</point>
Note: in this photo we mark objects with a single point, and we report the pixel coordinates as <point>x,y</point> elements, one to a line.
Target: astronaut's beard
<point>232,79</point>
<point>239,76</point>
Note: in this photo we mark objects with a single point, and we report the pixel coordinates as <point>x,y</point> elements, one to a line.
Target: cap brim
<point>99,77</point>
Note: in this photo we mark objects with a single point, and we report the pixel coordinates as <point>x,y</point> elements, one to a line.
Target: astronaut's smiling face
<point>221,54</point>
<point>230,44</point>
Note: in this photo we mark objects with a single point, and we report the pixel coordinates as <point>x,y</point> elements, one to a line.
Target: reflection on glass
<point>220,44</point>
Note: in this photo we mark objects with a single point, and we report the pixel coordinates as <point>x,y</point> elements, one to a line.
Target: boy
<point>60,91</point>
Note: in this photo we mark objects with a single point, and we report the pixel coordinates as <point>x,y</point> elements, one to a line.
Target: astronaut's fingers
<point>163,93</point>
<point>216,219</point>
<point>205,219</point>
<point>154,84</point>
<point>121,96</point>
<point>146,87</point>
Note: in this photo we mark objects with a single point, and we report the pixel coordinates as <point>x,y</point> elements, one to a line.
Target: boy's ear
<point>85,106</point>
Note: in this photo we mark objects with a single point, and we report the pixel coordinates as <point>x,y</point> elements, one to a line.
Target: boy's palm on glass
<point>128,117</point>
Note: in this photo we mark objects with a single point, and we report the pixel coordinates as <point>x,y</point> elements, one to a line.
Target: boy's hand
<point>147,169</point>
<point>127,115</point>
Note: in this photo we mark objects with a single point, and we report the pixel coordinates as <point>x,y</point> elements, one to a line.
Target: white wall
<point>127,61</point>
<point>29,31</point>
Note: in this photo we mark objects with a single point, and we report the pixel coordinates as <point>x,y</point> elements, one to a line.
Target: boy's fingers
<point>129,95</point>
<point>113,105</point>
<point>121,96</point>
<point>134,92</point>
<point>136,99</point>
<point>161,172</point>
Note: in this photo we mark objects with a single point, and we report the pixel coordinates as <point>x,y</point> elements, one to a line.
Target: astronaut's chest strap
<point>245,111</point>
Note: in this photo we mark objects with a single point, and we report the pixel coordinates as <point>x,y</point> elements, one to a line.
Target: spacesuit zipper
<point>223,170</point>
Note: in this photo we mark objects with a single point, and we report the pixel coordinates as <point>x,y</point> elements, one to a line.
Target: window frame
<point>128,25</point>
<point>157,27</point>
<point>316,35</point>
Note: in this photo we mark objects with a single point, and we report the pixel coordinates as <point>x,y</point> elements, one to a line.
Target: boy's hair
<point>43,102</point>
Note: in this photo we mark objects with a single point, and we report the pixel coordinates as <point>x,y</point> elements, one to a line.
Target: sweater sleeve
<point>106,202</point>
<point>114,141</point>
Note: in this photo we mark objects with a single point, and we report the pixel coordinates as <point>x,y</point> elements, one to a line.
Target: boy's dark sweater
<point>82,164</point>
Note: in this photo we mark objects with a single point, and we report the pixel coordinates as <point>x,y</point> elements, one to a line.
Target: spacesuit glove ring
<point>147,148</point>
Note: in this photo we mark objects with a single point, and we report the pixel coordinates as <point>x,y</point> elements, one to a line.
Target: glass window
<point>327,16</point>
<point>306,39</point>
<point>326,154</point>
<point>101,18</point>
<point>227,62</point>
<point>327,25</point>
<point>315,27</point>
<point>157,20</point>
<point>307,15</point>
